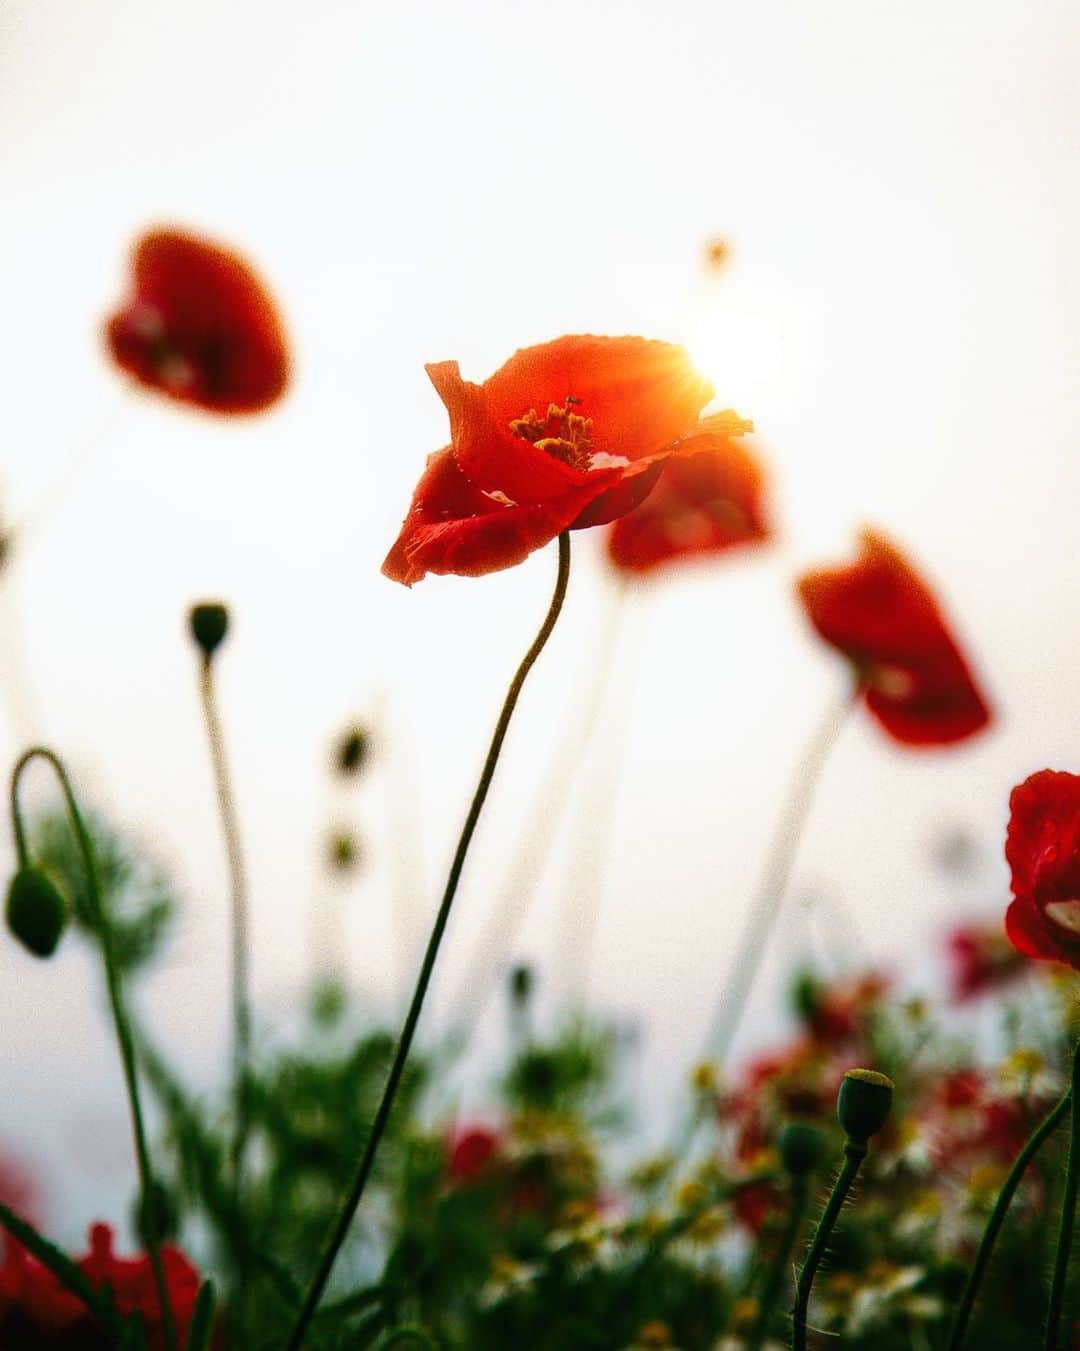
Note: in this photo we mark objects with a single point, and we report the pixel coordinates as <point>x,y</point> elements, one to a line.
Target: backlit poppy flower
<point>36,1311</point>
<point>1043,851</point>
<point>199,327</point>
<point>703,504</point>
<point>980,959</point>
<point>882,616</point>
<point>569,434</point>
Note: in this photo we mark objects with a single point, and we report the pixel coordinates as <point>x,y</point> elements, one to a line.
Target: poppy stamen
<point>565,435</point>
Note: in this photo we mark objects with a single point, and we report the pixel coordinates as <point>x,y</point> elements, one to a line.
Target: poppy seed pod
<point>801,1147</point>
<point>352,751</point>
<point>36,912</point>
<point>863,1103</point>
<point>521,984</point>
<point>209,625</point>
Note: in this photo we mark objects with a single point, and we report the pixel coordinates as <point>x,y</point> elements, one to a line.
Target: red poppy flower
<point>473,1150</point>
<point>980,959</point>
<point>703,504</point>
<point>883,617</point>
<point>565,435</point>
<point>199,327</point>
<point>1043,851</point>
<point>36,1311</point>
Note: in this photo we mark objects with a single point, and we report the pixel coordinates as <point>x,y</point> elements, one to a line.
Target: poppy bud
<point>352,751</point>
<point>521,984</point>
<point>159,1206</point>
<point>863,1103</point>
<point>209,625</point>
<point>343,851</point>
<point>801,1147</point>
<point>36,912</point>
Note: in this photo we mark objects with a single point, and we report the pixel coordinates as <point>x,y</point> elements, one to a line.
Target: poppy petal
<point>641,394</point>
<point>200,327</point>
<point>454,527</point>
<point>882,616</point>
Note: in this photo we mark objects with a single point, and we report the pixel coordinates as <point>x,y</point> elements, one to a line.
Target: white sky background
<point>899,185</point>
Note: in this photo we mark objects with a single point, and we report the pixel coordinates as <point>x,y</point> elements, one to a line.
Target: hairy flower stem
<point>766,906</point>
<point>854,1153</point>
<point>1068,1216</point>
<point>121,1022</point>
<point>382,1114</point>
<point>997,1219</point>
<point>241,945</point>
<point>800,1195</point>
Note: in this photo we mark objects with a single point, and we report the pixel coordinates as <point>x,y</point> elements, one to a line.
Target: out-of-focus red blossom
<point>38,1314</point>
<point>703,505</point>
<point>567,434</point>
<point>18,1193</point>
<point>473,1150</point>
<point>1043,851</point>
<point>199,327</point>
<point>980,959</point>
<point>838,1012</point>
<point>968,1121</point>
<point>883,617</point>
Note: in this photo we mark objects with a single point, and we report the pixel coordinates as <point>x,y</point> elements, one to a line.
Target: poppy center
<point>1065,914</point>
<point>562,433</point>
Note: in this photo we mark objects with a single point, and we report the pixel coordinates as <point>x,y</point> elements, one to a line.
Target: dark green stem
<point>800,1194</point>
<point>854,1153</point>
<point>121,1021</point>
<point>241,946</point>
<point>997,1219</point>
<point>1068,1216</point>
<point>382,1115</point>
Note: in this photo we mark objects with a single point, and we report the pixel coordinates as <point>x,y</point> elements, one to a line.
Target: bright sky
<point>899,185</point>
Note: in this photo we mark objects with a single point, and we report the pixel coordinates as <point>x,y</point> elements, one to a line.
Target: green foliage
<point>137,899</point>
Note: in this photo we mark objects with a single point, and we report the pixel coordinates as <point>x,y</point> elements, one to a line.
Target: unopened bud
<point>521,984</point>
<point>36,912</point>
<point>863,1103</point>
<point>352,751</point>
<point>801,1147</point>
<point>209,625</point>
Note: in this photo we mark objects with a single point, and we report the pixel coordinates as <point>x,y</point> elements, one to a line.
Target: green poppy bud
<point>521,984</point>
<point>802,1147</point>
<point>209,625</point>
<point>157,1205</point>
<point>352,751</point>
<point>863,1103</point>
<point>36,912</point>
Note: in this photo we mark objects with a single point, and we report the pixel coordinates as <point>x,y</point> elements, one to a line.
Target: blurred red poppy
<point>199,327</point>
<point>883,617</point>
<point>1043,851</point>
<point>980,960</point>
<point>472,1153</point>
<point>703,504</point>
<point>565,435</point>
<point>37,1311</point>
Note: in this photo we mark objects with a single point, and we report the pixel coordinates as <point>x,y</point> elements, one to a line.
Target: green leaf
<point>202,1320</point>
<point>62,1267</point>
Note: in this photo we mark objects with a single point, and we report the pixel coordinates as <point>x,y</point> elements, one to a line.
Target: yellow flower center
<point>562,433</point>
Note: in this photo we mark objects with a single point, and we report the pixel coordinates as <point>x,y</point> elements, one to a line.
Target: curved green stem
<point>119,1013</point>
<point>241,947</point>
<point>800,1195</point>
<point>1068,1216</point>
<point>854,1153</point>
<point>997,1219</point>
<point>382,1114</point>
